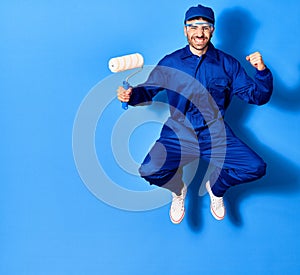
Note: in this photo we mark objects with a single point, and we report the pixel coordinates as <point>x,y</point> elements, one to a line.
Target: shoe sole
<point>215,215</point>
<point>179,221</point>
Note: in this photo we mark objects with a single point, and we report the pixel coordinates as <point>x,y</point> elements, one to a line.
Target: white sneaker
<point>177,209</point>
<point>217,207</point>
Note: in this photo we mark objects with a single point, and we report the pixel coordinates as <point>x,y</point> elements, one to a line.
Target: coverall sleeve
<point>254,91</point>
<point>144,93</point>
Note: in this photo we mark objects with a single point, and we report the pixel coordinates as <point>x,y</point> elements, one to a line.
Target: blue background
<point>51,54</point>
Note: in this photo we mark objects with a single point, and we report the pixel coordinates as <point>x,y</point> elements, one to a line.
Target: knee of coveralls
<point>167,177</point>
<point>158,177</point>
<point>165,174</point>
<point>223,179</point>
<point>241,165</point>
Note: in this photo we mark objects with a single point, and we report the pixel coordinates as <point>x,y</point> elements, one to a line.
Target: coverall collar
<point>210,53</point>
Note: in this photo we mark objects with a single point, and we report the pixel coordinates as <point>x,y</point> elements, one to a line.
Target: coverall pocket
<point>219,90</point>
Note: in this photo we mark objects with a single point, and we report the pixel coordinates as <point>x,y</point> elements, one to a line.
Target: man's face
<point>198,32</point>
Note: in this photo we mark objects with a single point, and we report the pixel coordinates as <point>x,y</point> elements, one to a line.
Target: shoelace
<point>177,201</point>
<point>218,202</point>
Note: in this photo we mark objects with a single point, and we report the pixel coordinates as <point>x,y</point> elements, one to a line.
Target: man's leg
<point>163,165</point>
<point>176,147</point>
<point>240,165</point>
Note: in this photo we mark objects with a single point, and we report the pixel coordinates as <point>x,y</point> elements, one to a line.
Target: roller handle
<point>126,86</point>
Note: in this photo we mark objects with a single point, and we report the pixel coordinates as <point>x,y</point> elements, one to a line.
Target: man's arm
<point>257,91</point>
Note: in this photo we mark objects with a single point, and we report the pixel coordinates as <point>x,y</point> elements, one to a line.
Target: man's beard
<point>198,42</point>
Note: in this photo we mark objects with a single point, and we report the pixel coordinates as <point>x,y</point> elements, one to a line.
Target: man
<point>196,128</point>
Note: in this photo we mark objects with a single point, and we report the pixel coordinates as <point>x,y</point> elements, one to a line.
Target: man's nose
<point>200,31</point>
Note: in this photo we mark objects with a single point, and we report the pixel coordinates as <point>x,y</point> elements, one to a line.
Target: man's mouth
<point>199,40</point>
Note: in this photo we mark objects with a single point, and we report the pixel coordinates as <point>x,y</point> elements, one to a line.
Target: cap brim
<point>199,15</point>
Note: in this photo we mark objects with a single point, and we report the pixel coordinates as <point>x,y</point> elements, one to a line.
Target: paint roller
<point>124,63</point>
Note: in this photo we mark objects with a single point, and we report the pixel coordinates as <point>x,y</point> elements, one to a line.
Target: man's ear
<point>184,29</point>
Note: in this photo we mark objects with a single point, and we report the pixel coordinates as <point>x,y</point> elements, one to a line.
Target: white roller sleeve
<point>126,62</point>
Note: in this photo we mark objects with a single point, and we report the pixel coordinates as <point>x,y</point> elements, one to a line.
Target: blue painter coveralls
<point>196,128</point>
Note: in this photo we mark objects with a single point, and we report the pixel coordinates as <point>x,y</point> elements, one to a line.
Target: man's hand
<point>124,95</point>
<point>256,61</point>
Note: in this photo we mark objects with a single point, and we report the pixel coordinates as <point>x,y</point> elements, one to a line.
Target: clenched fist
<point>124,95</point>
<point>256,61</point>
